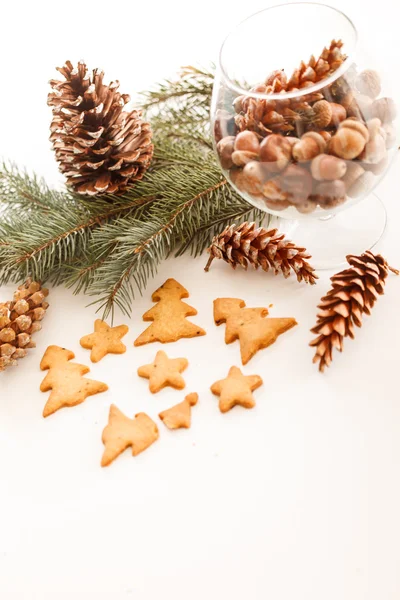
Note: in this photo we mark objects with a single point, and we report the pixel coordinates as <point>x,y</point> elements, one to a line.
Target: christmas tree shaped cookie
<point>122,432</point>
<point>65,380</point>
<point>180,415</point>
<point>169,316</point>
<point>249,325</point>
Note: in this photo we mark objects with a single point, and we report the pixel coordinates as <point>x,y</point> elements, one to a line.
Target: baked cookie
<point>249,325</point>
<point>236,389</point>
<point>104,340</point>
<point>180,415</point>
<point>169,316</point>
<point>65,380</point>
<point>164,372</point>
<point>122,432</point>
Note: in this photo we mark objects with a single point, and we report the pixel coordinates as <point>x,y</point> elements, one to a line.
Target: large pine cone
<point>100,147</point>
<point>353,293</point>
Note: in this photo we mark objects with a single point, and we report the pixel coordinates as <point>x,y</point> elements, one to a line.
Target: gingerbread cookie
<point>65,380</point>
<point>164,372</point>
<point>104,340</point>
<point>249,325</point>
<point>179,415</point>
<point>122,432</point>
<point>169,316</point>
<point>236,389</point>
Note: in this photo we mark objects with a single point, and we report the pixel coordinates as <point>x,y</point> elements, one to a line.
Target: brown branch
<point>97,220</point>
<point>174,216</point>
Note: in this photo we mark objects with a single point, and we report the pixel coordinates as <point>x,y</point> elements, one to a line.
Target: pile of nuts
<point>315,150</point>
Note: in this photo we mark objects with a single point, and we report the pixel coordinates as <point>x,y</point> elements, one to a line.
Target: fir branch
<point>109,247</point>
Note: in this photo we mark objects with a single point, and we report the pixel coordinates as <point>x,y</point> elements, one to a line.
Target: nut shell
<point>349,140</point>
<point>311,144</point>
<point>247,141</point>
<point>362,185</point>
<point>368,82</point>
<point>384,109</point>
<point>298,183</point>
<point>330,193</point>
<point>241,157</point>
<point>276,149</point>
<point>326,166</point>
<point>225,150</point>
<point>353,172</point>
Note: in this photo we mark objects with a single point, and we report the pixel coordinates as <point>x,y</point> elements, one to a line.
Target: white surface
<point>296,499</point>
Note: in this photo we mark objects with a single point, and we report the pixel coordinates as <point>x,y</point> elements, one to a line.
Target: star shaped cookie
<point>236,389</point>
<point>164,371</point>
<point>104,340</point>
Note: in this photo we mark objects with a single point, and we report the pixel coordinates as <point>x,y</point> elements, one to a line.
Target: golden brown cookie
<point>169,316</point>
<point>66,380</point>
<point>236,389</point>
<point>122,432</point>
<point>104,340</point>
<point>164,372</point>
<point>249,325</point>
<point>179,415</point>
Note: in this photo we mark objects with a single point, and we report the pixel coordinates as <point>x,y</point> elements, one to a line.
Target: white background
<point>297,499</point>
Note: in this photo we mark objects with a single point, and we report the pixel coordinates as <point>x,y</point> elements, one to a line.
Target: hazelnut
<point>349,140</point>
<point>277,204</point>
<point>353,171</point>
<point>243,183</point>
<point>224,125</point>
<point>238,104</point>
<point>297,182</point>
<point>362,185</point>
<point>330,193</point>
<point>247,141</point>
<point>374,151</point>
<point>311,144</point>
<point>273,190</point>
<point>326,166</point>
<point>306,207</point>
<point>225,149</point>
<point>241,157</point>
<point>325,135</point>
<point>377,168</point>
<point>357,105</point>
<point>256,173</point>
<point>391,135</point>
<point>374,127</point>
<point>384,109</point>
<point>276,149</point>
<point>322,114</point>
<point>368,82</point>
<point>338,114</point>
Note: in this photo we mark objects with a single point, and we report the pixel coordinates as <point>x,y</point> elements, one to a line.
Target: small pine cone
<point>246,244</point>
<point>354,292</point>
<point>19,320</point>
<point>101,148</point>
<point>318,69</point>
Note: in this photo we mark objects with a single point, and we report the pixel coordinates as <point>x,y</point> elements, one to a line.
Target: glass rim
<point>301,91</point>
